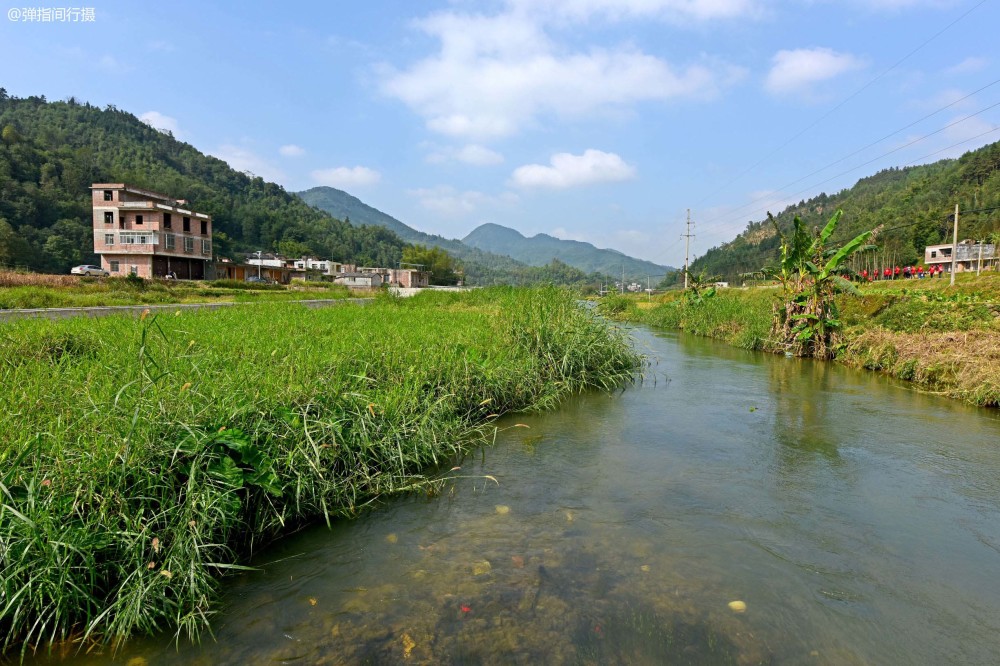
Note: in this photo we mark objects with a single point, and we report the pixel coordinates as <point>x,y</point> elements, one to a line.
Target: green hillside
<point>914,206</point>
<point>492,253</point>
<point>345,206</point>
<point>51,152</point>
<point>541,248</point>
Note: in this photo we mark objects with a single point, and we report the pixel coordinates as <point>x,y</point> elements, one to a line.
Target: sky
<point>596,120</point>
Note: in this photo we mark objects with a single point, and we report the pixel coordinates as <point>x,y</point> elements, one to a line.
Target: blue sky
<point>599,120</point>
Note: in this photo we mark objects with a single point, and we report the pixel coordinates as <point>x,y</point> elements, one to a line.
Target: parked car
<point>260,280</point>
<point>87,269</point>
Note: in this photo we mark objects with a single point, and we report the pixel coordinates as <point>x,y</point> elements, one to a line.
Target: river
<point>732,507</point>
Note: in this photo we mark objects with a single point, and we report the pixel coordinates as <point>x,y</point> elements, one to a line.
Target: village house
<point>148,234</point>
<point>357,279</point>
<point>969,256</point>
<point>407,278</point>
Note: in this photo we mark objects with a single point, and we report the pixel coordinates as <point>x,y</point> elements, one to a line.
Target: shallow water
<point>857,520</point>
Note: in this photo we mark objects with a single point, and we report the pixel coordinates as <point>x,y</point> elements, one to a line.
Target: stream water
<point>856,520</point>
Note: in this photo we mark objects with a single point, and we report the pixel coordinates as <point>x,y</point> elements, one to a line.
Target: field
<point>142,458</point>
<point>34,290</point>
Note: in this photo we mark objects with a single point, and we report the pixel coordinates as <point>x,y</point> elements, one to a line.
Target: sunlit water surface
<point>857,520</point>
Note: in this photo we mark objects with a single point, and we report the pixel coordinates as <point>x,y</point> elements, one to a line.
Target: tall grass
<point>740,317</point>
<point>141,459</point>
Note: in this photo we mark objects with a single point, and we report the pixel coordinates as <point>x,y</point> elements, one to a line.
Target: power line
<point>812,187</point>
<point>842,103</point>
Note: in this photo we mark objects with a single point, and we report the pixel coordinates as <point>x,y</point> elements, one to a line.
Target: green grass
<point>142,459</point>
<point>740,317</point>
<point>944,339</point>
<point>22,291</point>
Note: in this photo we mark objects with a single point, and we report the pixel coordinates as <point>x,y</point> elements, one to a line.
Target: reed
<point>142,459</point>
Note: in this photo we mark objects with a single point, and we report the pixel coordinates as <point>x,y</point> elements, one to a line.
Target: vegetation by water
<point>944,339</point>
<point>142,458</point>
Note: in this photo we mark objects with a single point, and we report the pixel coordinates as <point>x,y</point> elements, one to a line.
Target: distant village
<point>150,235</point>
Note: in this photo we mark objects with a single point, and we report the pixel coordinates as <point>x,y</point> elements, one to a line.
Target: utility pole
<point>687,247</point>
<point>623,278</point>
<point>954,248</point>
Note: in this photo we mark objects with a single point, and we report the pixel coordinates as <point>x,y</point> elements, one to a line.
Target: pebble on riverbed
<point>738,606</point>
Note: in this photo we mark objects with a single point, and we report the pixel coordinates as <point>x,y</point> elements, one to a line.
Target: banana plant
<point>810,275</point>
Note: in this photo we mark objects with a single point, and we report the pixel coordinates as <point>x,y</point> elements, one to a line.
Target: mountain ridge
<point>537,251</point>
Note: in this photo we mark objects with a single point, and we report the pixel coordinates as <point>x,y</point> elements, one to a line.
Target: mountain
<point>542,248</point>
<point>51,152</point>
<point>345,206</point>
<point>491,245</point>
<point>912,205</point>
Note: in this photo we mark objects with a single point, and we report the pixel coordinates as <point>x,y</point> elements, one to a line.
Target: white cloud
<point>671,10</point>
<point>968,66</point>
<point>796,70</point>
<point>160,122</point>
<point>566,170</point>
<point>495,75</point>
<point>472,153</point>
<point>291,150</point>
<point>160,45</point>
<point>111,64</point>
<point>244,159</point>
<point>896,5</point>
<point>341,177</point>
<point>966,130</point>
<point>450,202</point>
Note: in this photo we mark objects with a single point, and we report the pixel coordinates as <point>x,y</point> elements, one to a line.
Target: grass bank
<point>31,290</point>
<point>943,339</point>
<point>141,459</point>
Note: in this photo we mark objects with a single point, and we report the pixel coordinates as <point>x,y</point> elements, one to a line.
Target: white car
<point>87,269</point>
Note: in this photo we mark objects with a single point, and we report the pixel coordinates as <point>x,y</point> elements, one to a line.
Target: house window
<point>109,217</point>
<point>206,246</point>
<point>204,227</point>
<point>113,265</point>
<point>933,254</point>
<point>137,238</point>
<point>138,219</point>
<point>109,195</point>
<point>168,241</point>
<point>187,224</point>
<point>166,221</point>
<point>109,239</point>
<point>188,244</point>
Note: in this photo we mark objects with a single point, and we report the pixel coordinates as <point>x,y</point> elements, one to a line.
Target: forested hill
<point>51,152</point>
<point>913,204</point>
<point>492,251</point>
<point>346,206</point>
<point>540,248</point>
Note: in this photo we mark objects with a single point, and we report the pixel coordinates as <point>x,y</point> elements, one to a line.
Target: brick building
<point>149,234</point>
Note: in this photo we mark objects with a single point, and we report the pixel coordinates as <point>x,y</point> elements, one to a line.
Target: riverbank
<point>943,339</point>
<point>141,459</point>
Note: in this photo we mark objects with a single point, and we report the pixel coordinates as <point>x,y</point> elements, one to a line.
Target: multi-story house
<point>148,234</point>
<point>969,256</point>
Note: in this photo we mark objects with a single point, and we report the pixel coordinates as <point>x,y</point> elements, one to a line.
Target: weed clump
<point>144,458</point>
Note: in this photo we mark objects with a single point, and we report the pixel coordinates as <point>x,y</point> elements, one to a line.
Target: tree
<point>809,277</point>
<point>438,262</point>
<point>10,135</point>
